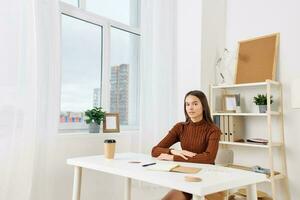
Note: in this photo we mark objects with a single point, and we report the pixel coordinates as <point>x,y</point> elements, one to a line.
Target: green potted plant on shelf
<point>94,117</point>
<point>261,101</point>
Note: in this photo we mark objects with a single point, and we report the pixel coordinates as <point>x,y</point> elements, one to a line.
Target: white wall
<point>188,58</point>
<point>58,179</point>
<point>213,39</point>
<point>247,19</point>
<point>200,42</point>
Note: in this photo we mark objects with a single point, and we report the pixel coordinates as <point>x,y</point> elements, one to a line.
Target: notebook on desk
<point>173,167</point>
<point>166,167</point>
<point>184,169</point>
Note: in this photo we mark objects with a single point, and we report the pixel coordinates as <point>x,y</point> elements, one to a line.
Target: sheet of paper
<point>163,166</point>
<point>111,122</point>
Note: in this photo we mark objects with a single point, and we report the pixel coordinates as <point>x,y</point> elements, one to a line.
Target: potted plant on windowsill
<point>94,117</point>
<point>261,101</point>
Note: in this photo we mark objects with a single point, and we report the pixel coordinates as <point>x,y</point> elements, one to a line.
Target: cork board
<point>256,60</point>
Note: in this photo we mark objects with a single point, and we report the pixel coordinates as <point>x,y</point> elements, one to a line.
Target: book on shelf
<point>257,140</point>
<point>219,121</point>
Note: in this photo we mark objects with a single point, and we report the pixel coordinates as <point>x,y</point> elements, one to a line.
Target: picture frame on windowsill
<point>111,123</point>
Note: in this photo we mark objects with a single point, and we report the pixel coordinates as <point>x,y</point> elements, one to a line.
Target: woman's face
<point>194,108</point>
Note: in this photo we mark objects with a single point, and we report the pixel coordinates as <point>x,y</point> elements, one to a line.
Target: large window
<point>126,11</point>
<point>124,65</point>
<point>99,61</point>
<point>72,2</point>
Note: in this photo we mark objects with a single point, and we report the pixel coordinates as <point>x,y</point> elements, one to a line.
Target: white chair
<point>224,157</point>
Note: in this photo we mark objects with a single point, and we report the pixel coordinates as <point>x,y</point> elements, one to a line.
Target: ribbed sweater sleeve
<point>171,138</point>
<point>200,137</point>
<point>209,155</point>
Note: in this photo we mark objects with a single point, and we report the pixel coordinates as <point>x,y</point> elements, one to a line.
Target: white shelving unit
<point>248,114</point>
<point>216,109</point>
<point>274,144</point>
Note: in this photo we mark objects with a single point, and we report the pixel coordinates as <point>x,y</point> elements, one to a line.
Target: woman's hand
<point>165,156</point>
<point>182,153</point>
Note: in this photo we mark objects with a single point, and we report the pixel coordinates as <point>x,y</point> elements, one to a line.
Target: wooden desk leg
<point>251,192</point>
<point>127,192</point>
<point>77,183</point>
<point>196,197</point>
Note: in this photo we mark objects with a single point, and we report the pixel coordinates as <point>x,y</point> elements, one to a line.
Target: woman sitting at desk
<point>198,137</point>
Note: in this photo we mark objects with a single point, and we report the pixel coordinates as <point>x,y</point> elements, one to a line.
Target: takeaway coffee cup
<point>109,148</point>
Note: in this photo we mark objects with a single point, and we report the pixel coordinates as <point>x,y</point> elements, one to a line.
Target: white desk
<point>214,178</point>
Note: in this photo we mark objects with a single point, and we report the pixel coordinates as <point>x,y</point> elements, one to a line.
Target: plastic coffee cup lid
<point>110,141</point>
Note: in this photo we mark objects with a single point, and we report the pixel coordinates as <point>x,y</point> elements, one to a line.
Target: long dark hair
<point>206,111</point>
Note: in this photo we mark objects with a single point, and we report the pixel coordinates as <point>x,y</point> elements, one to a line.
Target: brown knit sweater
<point>200,137</point>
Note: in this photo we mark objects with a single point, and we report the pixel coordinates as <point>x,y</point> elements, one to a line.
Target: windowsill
<point>86,134</point>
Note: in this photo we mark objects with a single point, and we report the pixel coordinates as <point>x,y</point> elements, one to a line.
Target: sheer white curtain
<point>28,57</point>
<point>158,69</point>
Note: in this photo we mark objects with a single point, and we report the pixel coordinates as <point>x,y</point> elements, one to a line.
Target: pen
<point>145,165</point>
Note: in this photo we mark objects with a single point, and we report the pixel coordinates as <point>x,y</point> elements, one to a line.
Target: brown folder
<point>235,128</point>
<point>226,128</point>
<point>188,170</point>
<point>222,128</point>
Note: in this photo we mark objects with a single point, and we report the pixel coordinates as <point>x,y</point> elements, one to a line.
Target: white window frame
<point>106,24</point>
